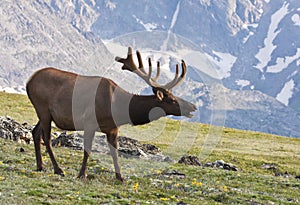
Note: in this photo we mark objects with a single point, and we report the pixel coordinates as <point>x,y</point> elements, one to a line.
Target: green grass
<point>18,107</point>
<point>145,182</point>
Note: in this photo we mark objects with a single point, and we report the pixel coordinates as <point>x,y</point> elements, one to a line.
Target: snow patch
<point>242,83</point>
<point>264,54</point>
<point>296,19</point>
<point>173,22</point>
<point>224,61</point>
<point>293,74</point>
<point>286,93</point>
<point>175,15</point>
<point>110,5</point>
<point>247,37</point>
<point>14,89</point>
<point>282,63</point>
<point>147,26</point>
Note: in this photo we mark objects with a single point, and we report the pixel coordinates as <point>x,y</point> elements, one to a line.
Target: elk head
<point>171,104</point>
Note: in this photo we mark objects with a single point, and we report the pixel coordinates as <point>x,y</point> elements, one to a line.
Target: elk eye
<point>172,100</point>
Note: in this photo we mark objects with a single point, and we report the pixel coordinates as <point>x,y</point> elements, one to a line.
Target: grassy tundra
<point>145,181</point>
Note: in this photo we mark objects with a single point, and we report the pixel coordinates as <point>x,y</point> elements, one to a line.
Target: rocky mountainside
<point>33,36</point>
<point>243,55</point>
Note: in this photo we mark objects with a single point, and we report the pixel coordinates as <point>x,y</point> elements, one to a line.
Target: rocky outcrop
<point>128,147</point>
<point>11,129</point>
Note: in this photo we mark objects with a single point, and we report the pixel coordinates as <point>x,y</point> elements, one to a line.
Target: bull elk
<point>90,104</point>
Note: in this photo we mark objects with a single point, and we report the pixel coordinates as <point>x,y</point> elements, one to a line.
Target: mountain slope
<point>222,42</point>
<point>33,37</point>
<point>269,61</point>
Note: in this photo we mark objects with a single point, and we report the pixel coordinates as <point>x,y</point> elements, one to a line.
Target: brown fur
<point>88,103</point>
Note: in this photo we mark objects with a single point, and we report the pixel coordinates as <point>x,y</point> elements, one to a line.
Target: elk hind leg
<point>36,134</point>
<point>46,129</point>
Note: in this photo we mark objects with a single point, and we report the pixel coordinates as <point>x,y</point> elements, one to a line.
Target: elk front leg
<point>112,138</point>
<point>87,143</point>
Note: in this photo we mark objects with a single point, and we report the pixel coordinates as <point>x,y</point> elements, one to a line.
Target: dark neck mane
<point>140,107</point>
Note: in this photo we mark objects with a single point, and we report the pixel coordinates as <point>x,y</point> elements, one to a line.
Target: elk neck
<point>144,109</point>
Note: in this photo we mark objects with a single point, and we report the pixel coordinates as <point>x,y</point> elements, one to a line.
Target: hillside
<point>268,167</point>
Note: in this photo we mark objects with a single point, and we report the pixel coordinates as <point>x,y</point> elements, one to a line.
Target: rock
<point>173,173</point>
<point>221,165</point>
<point>132,148</point>
<point>159,157</point>
<point>272,167</point>
<point>190,160</point>
<point>285,174</point>
<point>127,147</point>
<point>74,141</point>
<point>181,203</point>
<point>6,134</point>
<point>10,129</point>
<point>150,149</point>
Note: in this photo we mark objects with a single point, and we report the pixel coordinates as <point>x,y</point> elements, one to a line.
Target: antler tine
<point>157,72</point>
<point>128,64</point>
<point>177,80</point>
<point>141,66</point>
<point>150,69</point>
<point>169,85</point>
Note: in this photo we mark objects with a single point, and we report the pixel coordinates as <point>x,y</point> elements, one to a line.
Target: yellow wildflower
<point>225,189</point>
<point>196,183</point>
<point>164,199</point>
<point>135,186</point>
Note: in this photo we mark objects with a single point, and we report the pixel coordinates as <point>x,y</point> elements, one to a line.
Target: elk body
<point>90,104</point>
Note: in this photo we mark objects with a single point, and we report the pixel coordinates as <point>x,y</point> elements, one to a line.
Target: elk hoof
<point>59,171</point>
<point>82,176</point>
<point>119,177</point>
<point>41,169</point>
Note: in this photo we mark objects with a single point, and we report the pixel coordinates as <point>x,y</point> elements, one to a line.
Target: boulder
<point>11,129</point>
<point>74,140</point>
<point>190,160</point>
<point>221,165</point>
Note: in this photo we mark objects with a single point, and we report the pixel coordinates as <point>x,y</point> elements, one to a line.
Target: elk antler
<point>128,64</point>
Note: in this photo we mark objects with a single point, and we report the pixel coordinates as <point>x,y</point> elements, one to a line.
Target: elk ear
<point>160,95</point>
